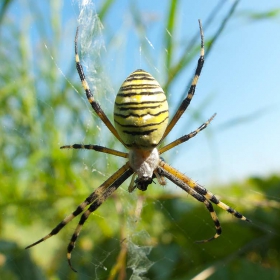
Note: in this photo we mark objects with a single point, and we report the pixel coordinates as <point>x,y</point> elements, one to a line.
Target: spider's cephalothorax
<point>141,123</point>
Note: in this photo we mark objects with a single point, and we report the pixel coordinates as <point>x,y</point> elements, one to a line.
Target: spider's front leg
<point>199,193</point>
<point>94,200</point>
<point>198,197</point>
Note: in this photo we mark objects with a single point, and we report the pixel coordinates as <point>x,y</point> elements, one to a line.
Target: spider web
<point>93,50</point>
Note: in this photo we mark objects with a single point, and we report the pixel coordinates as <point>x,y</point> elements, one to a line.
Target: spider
<point>141,124</point>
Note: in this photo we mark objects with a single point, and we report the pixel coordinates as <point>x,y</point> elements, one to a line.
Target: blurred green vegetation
<point>40,184</point>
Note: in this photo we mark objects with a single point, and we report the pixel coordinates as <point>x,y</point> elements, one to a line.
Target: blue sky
<point>240,79</point>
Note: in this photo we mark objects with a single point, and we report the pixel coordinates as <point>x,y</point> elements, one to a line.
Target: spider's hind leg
<point>186,102</point>
<point>94,104</point>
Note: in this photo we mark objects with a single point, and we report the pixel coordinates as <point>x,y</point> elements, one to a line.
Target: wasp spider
<point>141,124</point>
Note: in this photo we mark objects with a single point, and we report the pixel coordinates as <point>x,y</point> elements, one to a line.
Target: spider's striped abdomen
<point>141,111</point>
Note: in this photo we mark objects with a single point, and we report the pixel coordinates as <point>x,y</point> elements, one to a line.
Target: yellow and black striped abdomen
<point>141,111</point>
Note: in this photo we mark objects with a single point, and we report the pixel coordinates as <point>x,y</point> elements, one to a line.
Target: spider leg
<point>185,137</point>
<point>90,199</point>
<point>94,205</point>
<point>96,148</point>
<point>94,104</point>
<point>198,197</point>
<point>132,185</point>
<point>201,190</point>
<point>160,178</point>
<point>184,105</point>
<point>211,197</point>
